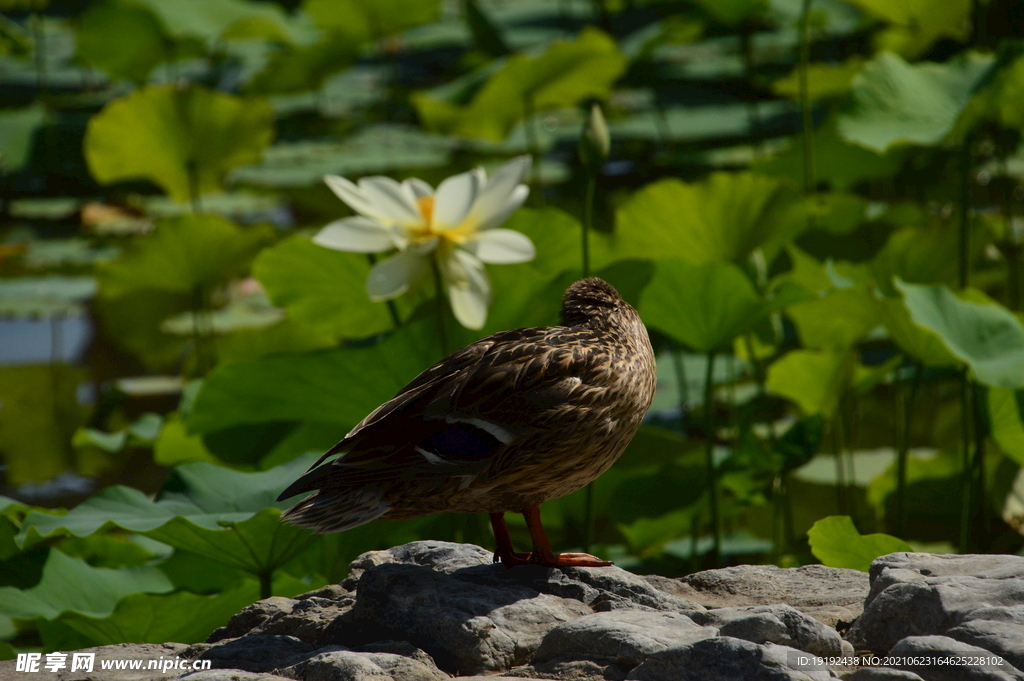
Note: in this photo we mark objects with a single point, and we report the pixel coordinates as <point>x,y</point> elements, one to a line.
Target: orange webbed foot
<point>568,560</point>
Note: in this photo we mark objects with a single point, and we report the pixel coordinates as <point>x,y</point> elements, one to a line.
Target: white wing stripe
<point>431,457</point>
<point>499,433</point>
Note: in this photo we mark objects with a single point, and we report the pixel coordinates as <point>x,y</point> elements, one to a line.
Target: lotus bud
<point>596,141</point>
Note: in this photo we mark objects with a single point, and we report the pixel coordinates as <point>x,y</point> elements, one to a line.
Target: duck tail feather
<point>337,510</point>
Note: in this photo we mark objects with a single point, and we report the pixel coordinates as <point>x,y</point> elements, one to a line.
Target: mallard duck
<point>503,425</point>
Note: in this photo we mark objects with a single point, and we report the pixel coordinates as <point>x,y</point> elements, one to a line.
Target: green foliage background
<point>816,205</point>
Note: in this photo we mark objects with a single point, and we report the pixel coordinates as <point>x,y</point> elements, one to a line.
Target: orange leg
<point>503,549</point>
<point>542,553</point>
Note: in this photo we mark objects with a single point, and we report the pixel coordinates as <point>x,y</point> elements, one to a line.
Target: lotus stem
<point>712,470</point>
<point>810,179</point>
<point>266,584</point>
<point>966,411</point>
<point>965,444</point>
<point>965,214</point>
<point>979,402</point>
<point>442,331</point>
<point>837,452</point>
<point>534,146</point>
<point>904,417</point>
<point>588,219</point>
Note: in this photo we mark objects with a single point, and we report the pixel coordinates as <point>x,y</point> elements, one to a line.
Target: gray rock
<point>251,653</point>
<point>414,612</point>
<point>572,670</point>
<point>976,600</point>
<point>606,588</point>
<point>727,659</point>
<point>466,627</point>
<point>306,617</point>
<point>622,637</point>
<point>829,595</point>
<point>781,624</point>
<point>497,678</point>
<point>939,649</point>
<point>403,648</point>
<point>1002,638</point>
<point>253,616</point>
<point>230,675</point>
<point>883,674</point>
<point>347,665</point>
<point>905,566</point>
<point>440,556</point>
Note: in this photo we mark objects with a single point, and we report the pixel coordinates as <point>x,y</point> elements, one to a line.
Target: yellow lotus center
<point>428,230</point>
<point>426,204</point>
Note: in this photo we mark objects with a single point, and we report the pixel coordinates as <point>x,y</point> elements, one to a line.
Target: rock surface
<point>428,611</point>
<point>829,595</point>
<point>970,602</point>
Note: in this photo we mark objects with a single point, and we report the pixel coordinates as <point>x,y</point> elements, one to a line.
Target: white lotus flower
<point>457,225</point>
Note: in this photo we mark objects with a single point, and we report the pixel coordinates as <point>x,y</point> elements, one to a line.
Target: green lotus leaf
<point>360,21</point>
<point>132,322</point>
<point>183,139</point>
<point>211,20</point>
<point>17,129</point>
<point>321,287</point>
<point>921,344</point>
<point>813,379</point>
<point>192,512</point>
<point>647,536</point>
<point>70,584</point>
<point>114,550</point>
<point>149,618</point>
<point>1002,101</point>
<point>836,542</point>
<point>174,446</point>
<point>985,335</point>
<point>335,386</point>
<point>836,161</point>
<point>836,321</point>
<point>915,25</point>
<point>918,255</point>
<point>530,293</point>
<point>39,413</point>
<point>722,219</point>
<point>182,254</point>
<point>898,103</point>
<point>931,482</point>
<point>184,617</point>
<point>705,305</point>
<point>567,73</point>
<point>288,336</point>
<point>1004,417</point>
<point>824,81</point>
<point>121,38</point>
<point>300,68</point>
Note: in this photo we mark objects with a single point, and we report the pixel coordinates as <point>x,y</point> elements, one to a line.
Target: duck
<point>504,425</point>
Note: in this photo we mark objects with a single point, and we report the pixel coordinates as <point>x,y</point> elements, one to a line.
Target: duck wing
<point>455,417</point>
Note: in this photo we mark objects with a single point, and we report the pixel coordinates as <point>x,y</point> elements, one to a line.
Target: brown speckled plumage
<point>505,424</point>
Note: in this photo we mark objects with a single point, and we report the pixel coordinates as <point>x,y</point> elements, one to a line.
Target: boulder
<point>780,624</point>
<point>429,610</point>
<point>976,601</point>
<point>724,658</point>
<point>829,595</point>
